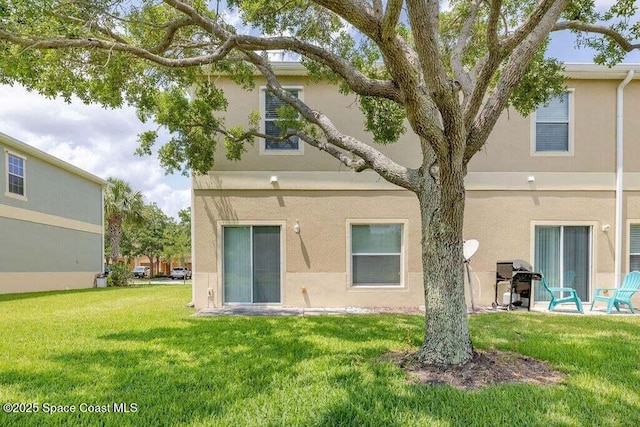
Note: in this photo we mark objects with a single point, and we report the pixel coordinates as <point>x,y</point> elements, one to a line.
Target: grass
<point>141,346</point>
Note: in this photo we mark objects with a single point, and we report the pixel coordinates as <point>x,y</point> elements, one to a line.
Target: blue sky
<point>103,141</point>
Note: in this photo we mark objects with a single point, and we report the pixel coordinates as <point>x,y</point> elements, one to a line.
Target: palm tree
<point>121,205</point>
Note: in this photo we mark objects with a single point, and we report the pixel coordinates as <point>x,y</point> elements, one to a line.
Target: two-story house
<point>288,225</point>
<point>51,221</point>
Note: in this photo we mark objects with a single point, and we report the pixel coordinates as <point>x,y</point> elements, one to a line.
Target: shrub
<point>120,275</point>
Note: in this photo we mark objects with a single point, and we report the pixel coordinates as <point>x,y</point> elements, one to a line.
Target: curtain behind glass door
<point>266,264</point>
<point>562,254</point>
<point>547,259</point>
<point>237,264</point>
<point>576,259</point>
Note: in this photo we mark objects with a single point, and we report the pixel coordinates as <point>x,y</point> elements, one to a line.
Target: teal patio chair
<point>558,295</point>
<point>621,295</point>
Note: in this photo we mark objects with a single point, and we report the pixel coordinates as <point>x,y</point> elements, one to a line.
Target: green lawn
<point>140,346</point>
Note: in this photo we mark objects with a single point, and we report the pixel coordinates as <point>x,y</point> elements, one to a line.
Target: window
<point>251,264</point>
<point>634,247</point>
<point>271,104</point>
<point>376,254</point>
<point>15,175</point>
<point>553,128</point>
<point>563,255</point>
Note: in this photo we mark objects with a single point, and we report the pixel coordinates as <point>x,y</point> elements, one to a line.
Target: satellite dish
<point>469,248</point>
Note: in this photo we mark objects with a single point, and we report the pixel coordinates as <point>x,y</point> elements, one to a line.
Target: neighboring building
<point>161,266</point>
<point>51,221</point>
<point>288,225</point>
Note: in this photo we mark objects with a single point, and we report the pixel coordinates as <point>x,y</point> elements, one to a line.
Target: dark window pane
<point>272,130</point>
<point>552,137</point>
<point>16,185</point>
<point>372,270</point>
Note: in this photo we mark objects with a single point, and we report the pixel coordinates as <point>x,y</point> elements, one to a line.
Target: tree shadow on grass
<point>314,371</point>
<point>34,295</point>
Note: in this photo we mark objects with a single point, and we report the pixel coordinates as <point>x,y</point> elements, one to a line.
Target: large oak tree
<point>448,73</point>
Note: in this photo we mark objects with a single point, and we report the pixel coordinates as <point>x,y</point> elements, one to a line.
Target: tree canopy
<point>444,72</point>
<point>401,58</point>
<point>122,205</point>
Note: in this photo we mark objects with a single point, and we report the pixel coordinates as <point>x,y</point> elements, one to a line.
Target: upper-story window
<point>270,105</point>
<point>553,127</point>
<point>15,166</point>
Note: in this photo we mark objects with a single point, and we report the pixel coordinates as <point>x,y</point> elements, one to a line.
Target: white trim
<point>8,193</point>
<point>220,224</point>
<point>368,180</point>
<point>629,222</point>
<point>404,257</point>
<point>571,143</point>
<point>262,148</point>
<point>27,215</point>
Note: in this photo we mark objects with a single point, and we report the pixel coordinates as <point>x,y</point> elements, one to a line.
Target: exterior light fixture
<point>296,227</point>
<point>274,179</point>
<point>531,178</point>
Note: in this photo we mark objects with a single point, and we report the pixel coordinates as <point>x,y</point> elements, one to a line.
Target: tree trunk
<point>447,340</point>
<point>150,265</point>
<point>115,233</point>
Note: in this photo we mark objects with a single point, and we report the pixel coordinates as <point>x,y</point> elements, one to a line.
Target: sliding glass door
<point>563,255</point>
<point>251,264</point>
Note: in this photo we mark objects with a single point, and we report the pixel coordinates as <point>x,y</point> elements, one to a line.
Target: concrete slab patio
<point>251,310</point>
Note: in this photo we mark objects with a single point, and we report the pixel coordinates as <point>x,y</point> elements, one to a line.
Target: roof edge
<point>578,70</point>
<point>28,149</point>
<point>581,70</point>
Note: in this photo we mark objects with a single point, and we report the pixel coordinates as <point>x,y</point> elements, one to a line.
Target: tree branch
<point>492,26</point>
<point>60,43</point>
<point>387,168</point>
<point>456,57</point>
<point>423,16</point>
<point>510,77</point>
<point>357,165</point>
<point>391,18</point>
<point>598,29</point>
<point>357,81</point>
<point>528,26</point>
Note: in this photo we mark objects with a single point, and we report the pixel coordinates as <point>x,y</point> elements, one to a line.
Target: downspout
<point>102,259</point>
<point>619,174</point>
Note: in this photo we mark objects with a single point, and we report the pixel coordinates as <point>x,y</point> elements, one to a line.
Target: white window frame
<point>630,222</point>
<point>220,225</point>
<point>7,193</point>
<point>570,151</point>
<point>263,148</point>
<point>403,223</point>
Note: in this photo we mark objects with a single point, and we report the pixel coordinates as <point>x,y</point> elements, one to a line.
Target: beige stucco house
<point>288,225</point>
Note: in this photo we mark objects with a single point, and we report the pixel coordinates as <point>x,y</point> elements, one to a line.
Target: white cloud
<point>97,140</point>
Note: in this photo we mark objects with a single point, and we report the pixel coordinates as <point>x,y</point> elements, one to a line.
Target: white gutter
<point>619,174</point>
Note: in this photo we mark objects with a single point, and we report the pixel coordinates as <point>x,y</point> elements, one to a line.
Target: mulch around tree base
<point>487,368</point>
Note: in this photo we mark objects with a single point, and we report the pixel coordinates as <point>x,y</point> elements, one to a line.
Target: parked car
<point>141,271</point>
<point>180,273</point>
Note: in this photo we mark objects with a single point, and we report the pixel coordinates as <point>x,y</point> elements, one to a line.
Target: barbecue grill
<point>518,274</point>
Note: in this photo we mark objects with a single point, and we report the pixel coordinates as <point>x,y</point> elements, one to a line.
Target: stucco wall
<point>317,259</point>
<point>32,247</point>
<point>54,191</point>
<point>508,148</point>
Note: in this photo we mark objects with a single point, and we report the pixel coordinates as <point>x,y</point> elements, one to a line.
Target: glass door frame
<point>593,225</point>
<point>221,224</point>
